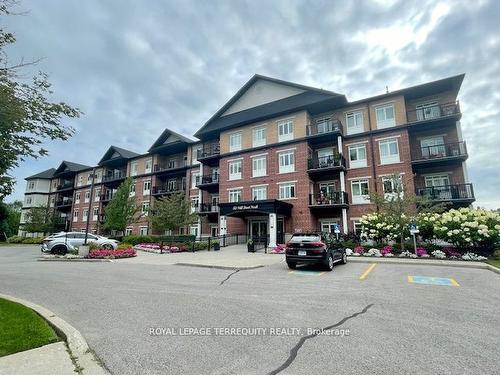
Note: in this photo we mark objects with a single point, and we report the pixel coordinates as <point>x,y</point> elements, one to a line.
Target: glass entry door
<point>258,231</point>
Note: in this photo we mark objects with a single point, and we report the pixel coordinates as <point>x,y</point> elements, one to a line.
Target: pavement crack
<point>228,276</point>
<point>295,350</point>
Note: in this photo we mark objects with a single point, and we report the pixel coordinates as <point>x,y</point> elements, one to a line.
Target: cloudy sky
<point>136,67</point>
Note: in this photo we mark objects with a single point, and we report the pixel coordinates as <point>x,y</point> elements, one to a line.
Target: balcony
<point>106,197</point>
<point>319,167</point>
<point>66,185</point>
<point>207,208</point>
<point>209,183</point>
<point>459,193</point>
<point>448,152</point>
<point>328,200</point>
<point>432,113</point>
<point>64,203</point>
<point>209,153</point>
<point>171,188</point>
<point>325,130</point>
<point>170,166</point>
<point>114,176</point>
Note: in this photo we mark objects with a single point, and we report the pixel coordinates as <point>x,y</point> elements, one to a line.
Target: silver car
<point>63,242</point>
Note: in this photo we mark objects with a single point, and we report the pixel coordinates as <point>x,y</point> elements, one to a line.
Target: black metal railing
<point>208,150</point>
<point>206,207</point>
<point>65,185</point>
<point>324,127</point>
<point>169,165</point>
<point>169,188</point>
<point>117,175</point>
<point>328,198</point>
<point>106,197</point>
<point>330,161</point>
<point>208,179</point>
<point>433,112</point>
<point>64,202</point>
<point>447,192</point>
<point>445,150</point>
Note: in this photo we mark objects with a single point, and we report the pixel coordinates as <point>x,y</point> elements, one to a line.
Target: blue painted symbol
<point>426,280</point>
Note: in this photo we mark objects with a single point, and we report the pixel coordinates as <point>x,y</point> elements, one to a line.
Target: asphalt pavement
<point>147,318</point>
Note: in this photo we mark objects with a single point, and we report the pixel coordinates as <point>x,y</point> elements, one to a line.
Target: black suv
<point>314,248</point>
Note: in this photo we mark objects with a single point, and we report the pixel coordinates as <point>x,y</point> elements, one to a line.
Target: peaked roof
<point>45,175</point>
<point>309,96</point>
<point>114,152</point>
<point>169,138</point>
<point>69,166</point>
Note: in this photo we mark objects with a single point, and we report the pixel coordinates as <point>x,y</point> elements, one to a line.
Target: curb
<point>72,260</point>
<point>435,263</point>
<point>218,267</point>
<point>80,351</point>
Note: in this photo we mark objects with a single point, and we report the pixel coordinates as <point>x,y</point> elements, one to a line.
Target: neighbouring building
<point>280,157</point>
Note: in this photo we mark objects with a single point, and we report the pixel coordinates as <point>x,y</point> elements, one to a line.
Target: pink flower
<point>359,249</point>
<point>386,250</point>
<point>421,251</point>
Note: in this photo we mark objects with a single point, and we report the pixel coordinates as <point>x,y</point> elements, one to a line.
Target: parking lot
<point>379,319</point>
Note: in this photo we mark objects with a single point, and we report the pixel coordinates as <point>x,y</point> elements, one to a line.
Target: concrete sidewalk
<point>230,257</point>
<point>46,360</point>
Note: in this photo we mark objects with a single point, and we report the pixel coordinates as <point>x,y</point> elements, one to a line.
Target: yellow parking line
<point>454,282</point>
<point>365,274</point>
<point>410,279</point>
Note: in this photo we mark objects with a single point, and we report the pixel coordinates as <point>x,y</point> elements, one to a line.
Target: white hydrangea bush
<point>438,254</point>
<point>473,256</point>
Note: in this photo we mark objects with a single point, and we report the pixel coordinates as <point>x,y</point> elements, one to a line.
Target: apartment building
<point>280,157</point>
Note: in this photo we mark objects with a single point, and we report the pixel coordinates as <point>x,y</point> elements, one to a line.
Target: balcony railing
<point>329,161</point>
<point>208,179</point>
<point>325,127</point>
<point>169,165</point>
<point>328,198</point>
<point>65,185</point>
<point>106,197</point>
<point>206,208</point>
<point>64,202</point>
<point>446,150</point>
<point>169,189</point>
<point>448,192</point>
<point>432,112</point>
<point>118,175</point>
<point>208,150</point>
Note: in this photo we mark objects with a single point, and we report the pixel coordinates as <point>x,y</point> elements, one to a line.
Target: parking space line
<point>369,269</point>
<point>454,282</point>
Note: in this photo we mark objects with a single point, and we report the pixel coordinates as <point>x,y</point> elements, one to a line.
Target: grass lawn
<point>494,262</point>
<point>22,329</point>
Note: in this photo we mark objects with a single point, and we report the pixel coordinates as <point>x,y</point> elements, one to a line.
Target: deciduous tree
<point>121,210</point>
<point>172,213</point>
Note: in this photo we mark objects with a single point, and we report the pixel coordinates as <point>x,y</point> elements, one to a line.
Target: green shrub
<point>135,240</point>
<point>15,239</point>
<point>93,246</point>
<point>184,238</point>
<point>125,245</point>
<point>32,240</point>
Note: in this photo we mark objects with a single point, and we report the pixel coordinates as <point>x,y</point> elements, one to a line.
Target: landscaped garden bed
<point>388,251</point>
<point>160,249</point>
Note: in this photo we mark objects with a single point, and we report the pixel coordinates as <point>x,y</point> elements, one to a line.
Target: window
<point>31,185</point>
<point>360,191</point>
<point>389,151</point>
<point>85,214</point>
<point>286,162</point>
<point>193,230</point>
<point>433,147</point>
<point>392,187</point>
<point>145,208</point>
<point>172,163</point>
<point>258,137</point>
<point>172,185</point>
<point>285,130</point>
<point>196,150</point>
<point>354,122</point>
<point>287,191</point>
<point>148,165</point>
<point>428,111</point>
<point>97,194</point>
<point>235,195</point>
<point>195,202</point>
<point>132,190</point>
<point>235,142</point>
<point>28,200</point>
<point>437,180</point>
<point>328,226</point>
<point>194,178</point>
<point>146,188</point>
<point>98,176</point>
<point>259,193</point>
<point>89,179</point>
<point>80,180</point>
<point>128,231</point>
<point>259,166</point>
<point>357,156</point>
<point>87,196</point>
<point>385,116</point>
<point>143,231</point>
<point>134,169</point>
<point>325,125</point>
<point>77,197</point>
<point>95,214</point>
<point>75,215</point>
<point>235,170</point>
<point>358,227</point>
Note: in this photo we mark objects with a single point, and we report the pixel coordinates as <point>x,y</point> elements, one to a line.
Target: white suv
<point>61,243</point>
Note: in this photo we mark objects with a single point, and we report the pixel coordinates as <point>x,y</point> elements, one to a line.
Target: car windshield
<point>305,238</point>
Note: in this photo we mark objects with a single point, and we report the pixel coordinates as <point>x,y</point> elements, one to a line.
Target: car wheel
<point>329,262</point>
<point>59,249</point>
<point>291,265</point>
<point>107,246</point>
<point>344,258</point>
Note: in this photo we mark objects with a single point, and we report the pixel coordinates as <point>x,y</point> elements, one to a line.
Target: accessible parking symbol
<point>427,280</point>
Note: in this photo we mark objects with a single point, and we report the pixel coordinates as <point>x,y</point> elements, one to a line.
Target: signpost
<point>413,231</point>
<point>336,230</point>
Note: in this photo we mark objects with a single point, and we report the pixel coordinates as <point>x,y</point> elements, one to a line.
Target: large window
<point>354,122</point>
<point>146,188</point>
<point>77,197</point>
<point>235,142</point>
<point>259,193</point>
<point>385,116</point>
<point>286,162</point>
<point>389,151</point>
<point>194,177</point>
<point>143,231</point>
<point>428,111</point>
<point>259,136</point>
<point>87,196</point>
<point>357,156</point>
<point>85,214</point>
<point>235,169</point>
<point>145,208</point>
<point>31,185</point>
<point>148,165</point>
<point>234,195</point>
<point>97,194</point>
<point>285,130</point>
<point>329,225</point>
<point>134,169</point>
<point>259,166</point>
<point>95,213</point>
<point>287,190</point>
<point>437,180</point>
<point>195,202</point>
<point>360,191</point>
<point>392,187</point>
<point>75,215</point>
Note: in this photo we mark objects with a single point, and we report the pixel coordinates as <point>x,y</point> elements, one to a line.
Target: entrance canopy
<point>251,208</point>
